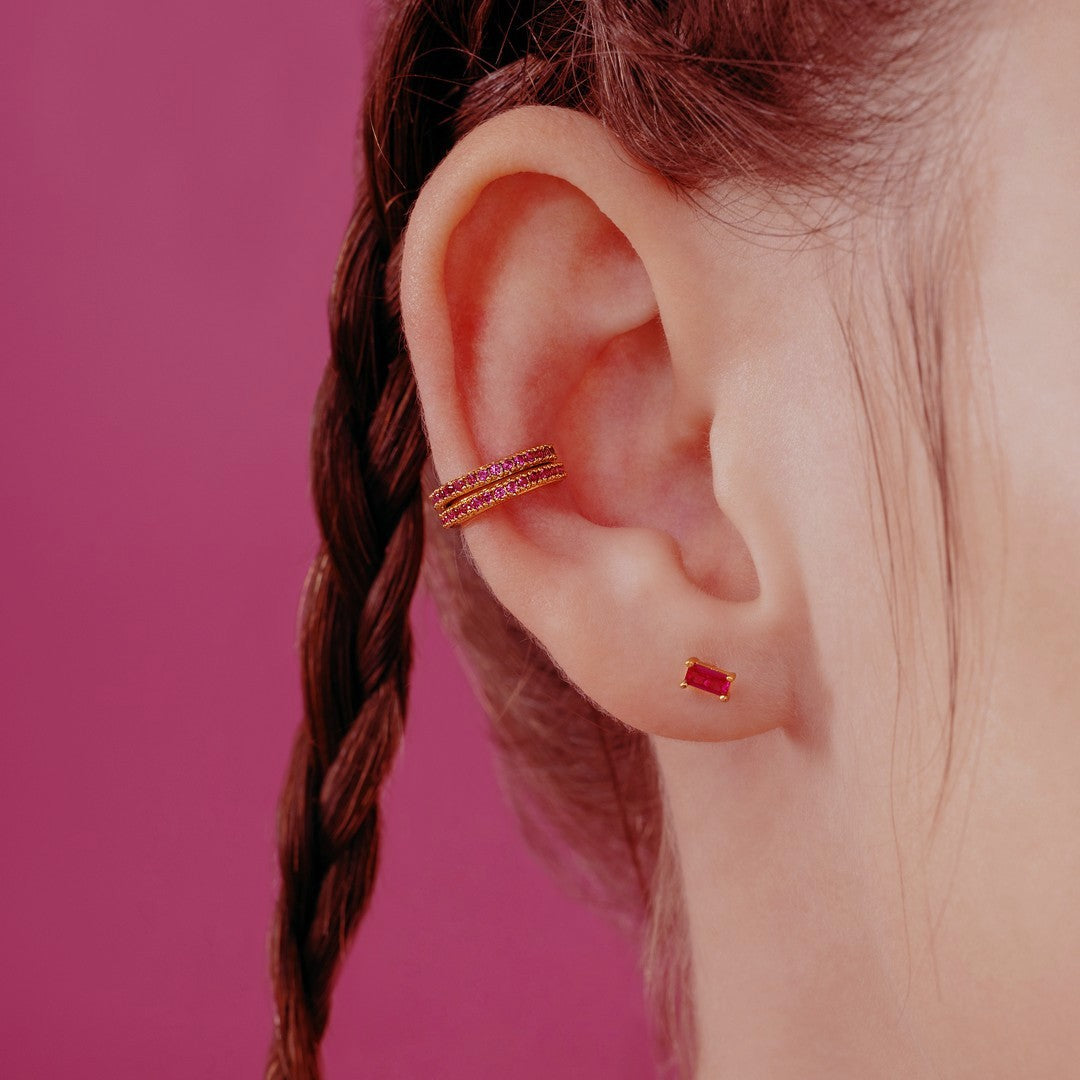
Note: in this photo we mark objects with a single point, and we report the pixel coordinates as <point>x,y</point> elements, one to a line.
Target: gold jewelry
<point>713,680</point>
<point>459,501</point>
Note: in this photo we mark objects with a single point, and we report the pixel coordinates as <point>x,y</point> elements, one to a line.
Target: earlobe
<point>547,298</point>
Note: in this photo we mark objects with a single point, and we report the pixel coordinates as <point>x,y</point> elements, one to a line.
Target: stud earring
<point>713,680</point>
<point>466,497</point>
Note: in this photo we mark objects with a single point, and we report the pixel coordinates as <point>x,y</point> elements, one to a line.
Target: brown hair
<point>803,94</point>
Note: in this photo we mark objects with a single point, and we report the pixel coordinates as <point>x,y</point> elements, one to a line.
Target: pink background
<point>175,181</point>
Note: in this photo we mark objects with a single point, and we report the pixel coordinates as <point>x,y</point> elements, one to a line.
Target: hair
<point>799,95</point>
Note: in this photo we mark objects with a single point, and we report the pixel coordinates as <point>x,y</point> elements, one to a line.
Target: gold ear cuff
<point>468,496</point>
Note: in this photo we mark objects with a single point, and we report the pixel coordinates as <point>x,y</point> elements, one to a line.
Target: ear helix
<point>466,497</point>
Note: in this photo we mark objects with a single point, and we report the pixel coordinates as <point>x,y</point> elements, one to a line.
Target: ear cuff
<point>461,500</point>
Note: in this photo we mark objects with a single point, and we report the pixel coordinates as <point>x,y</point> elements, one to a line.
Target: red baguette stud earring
<point>713,680</point>
<point>466,497</point>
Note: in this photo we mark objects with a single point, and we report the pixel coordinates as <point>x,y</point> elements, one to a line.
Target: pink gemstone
<point>520,459</point>
<point>711,680</point>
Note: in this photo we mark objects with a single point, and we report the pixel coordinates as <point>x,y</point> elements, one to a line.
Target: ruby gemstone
<point>709,679</point>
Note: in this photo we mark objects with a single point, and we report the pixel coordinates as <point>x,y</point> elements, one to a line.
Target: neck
<point>797,944</point>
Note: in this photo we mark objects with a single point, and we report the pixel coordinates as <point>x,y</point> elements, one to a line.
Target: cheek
<point>864,524</point>
<point>1022,511</point>
<point>1039,464</point>
<point>1041,555</point>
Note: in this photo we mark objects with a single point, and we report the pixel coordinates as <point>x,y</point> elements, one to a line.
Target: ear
<point>553,291</point>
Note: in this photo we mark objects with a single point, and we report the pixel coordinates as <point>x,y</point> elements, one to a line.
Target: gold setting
<point>729,675</point>
<point>459,501</point>
<point>486,475</point>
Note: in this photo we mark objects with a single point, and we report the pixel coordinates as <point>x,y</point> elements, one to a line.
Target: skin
<point>852,910</point>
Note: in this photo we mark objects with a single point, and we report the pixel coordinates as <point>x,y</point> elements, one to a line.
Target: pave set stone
<point>482,477</point>
<point>462,499</point>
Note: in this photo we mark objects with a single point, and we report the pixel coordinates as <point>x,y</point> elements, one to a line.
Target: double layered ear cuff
<point>468,496</point>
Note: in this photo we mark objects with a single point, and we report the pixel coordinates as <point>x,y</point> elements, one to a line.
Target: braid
<point>368,452</point>
<point>367,455</point>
